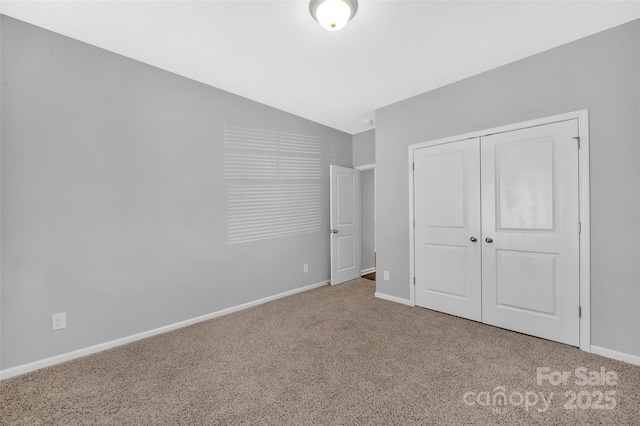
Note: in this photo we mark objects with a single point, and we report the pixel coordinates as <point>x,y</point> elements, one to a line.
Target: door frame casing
<point>363,168</point>
<point>583,190</point>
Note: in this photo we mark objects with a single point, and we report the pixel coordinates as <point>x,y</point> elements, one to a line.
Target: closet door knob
<point>489,240</point>
<point>473,239</point>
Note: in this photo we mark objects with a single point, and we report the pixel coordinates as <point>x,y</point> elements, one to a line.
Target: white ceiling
<point>274,52</point>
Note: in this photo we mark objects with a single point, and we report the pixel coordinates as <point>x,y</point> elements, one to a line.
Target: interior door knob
<point>489,240</point>
<point>473,239</point>
<point>334,231</point>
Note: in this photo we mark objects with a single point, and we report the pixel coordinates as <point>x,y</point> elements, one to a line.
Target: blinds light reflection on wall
<point>273,184</point>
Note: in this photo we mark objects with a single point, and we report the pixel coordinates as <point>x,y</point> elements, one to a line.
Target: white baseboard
<point>367,271</point>
<point>620,356</point>
<point>47,362</point>
<point>394,299</point>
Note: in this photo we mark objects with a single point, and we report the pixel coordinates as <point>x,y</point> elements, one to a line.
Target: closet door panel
<point>447,205</point>
<point>530,230</point>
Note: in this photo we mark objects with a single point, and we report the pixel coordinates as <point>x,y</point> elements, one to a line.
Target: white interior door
<point>447,228</point>
<point>530,230</point>
<point>345,224</point>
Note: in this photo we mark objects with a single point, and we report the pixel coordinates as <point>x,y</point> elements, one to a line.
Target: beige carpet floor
<point>334,355</point>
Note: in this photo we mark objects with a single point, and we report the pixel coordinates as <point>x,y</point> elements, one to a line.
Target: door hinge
<point>414,223</point>
<point>577,138</point>
<point>413,166</point>
<point>414,280</point>
<point>580,312</point>
<point>579,227</point>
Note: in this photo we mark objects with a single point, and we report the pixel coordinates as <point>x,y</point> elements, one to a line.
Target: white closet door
<point>345,224</point>
<point>530,231</point>
<point>447,221</point>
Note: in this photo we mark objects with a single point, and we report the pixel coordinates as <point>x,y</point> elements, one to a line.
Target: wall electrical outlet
<point>386,275</point>
<point>58,321</point>
<point>306,268</point>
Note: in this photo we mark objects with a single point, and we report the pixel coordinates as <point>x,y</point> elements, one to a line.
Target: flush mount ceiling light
<point>333,14</point>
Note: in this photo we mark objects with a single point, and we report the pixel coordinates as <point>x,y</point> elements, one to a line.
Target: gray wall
<point>600,73</point>
<point>367,222</point>
<point>364,148</point>
<point>114,198</point>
